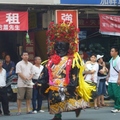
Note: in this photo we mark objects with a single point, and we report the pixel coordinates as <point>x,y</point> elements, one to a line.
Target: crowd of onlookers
<point>98,74</point>
<point>95,73</point>
<point>28,88</point>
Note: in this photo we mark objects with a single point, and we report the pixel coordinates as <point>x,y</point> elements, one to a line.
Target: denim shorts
<point>102,88</point>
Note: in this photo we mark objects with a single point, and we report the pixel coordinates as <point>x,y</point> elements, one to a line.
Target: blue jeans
<point>36,99</point>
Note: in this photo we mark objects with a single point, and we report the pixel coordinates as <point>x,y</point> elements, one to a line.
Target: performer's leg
<point>57,116</point>
<point>77,112</point>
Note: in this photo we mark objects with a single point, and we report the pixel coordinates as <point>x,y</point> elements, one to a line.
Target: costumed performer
<point>67,89</point>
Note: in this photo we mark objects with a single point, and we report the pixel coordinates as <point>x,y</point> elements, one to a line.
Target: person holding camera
<point>102,74</point>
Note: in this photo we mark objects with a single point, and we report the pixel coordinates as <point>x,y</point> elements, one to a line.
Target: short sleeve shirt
<point>92,67</point>
<point>3,78</point>
<point>113,74</point>
<point>26,69</point>
<point>37,71</point>
<point>8,67</point>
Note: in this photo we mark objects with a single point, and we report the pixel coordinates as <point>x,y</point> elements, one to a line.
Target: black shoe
<point>55,118</point>
<point>7,114</point>
<point>77,112</point>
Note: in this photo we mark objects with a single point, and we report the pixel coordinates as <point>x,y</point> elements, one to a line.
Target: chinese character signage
<point>67,15</point>
<point>109,24</point>
<point>13,21</point>
<point>92,2</point>
<point>83,22</point>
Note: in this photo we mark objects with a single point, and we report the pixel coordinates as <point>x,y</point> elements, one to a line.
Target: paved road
<point>88,114</point>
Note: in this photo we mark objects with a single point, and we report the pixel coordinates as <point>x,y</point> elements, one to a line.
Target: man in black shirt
<point>9,66</point>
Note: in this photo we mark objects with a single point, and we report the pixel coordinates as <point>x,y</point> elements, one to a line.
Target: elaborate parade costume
<point>67,89</point>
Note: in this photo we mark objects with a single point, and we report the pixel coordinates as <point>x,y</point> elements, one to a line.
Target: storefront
<point>42,12</point>
<point>14,40</point>
<point>91,40</point>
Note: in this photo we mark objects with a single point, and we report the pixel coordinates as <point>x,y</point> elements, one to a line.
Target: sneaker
<point>8,114</point>
<point>96,108</point>
<point>34,112</point>
<point>115,111</point>
<point>19,113</point>
<point>41,111</point>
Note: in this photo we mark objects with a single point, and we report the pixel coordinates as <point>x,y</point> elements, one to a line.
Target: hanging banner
<point>13,21</point>
<point>109,24</point>
<point>67,15</point>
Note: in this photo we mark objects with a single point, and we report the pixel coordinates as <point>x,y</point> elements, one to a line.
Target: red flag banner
<point>109,24</point>
<point>13,21</point>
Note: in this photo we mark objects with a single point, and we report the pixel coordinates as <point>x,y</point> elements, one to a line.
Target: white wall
<point>44,2</point>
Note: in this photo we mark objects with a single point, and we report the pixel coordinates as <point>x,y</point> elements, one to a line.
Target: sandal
<point>99,105</point>
<point>30,112</point>
<point>96,108</point>
<point>103,105</point>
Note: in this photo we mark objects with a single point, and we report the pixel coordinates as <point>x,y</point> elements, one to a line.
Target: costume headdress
<point>63,32</point>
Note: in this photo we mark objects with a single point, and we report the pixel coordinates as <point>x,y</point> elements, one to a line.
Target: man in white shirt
<point>3,90</point>
<point>25,72</point>
<point>38,68</point>
<point>114,79</point>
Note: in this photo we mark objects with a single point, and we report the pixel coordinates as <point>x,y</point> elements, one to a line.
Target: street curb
<point>108,103</point>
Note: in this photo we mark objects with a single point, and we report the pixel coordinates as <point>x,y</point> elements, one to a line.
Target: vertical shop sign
<point>67,15</point>
<point>13,21</point>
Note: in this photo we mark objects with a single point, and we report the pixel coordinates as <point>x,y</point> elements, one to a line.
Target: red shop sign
<point>67,15</point>
<point>109,23</point>
<point>13,21</point>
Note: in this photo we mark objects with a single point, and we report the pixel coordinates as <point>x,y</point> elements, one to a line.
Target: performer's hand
<point>118,82</point>
<point>39,84</point>
<point>65,90</point>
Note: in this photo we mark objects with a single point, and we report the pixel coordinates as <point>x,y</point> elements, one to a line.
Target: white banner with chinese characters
<point>13,21</point>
